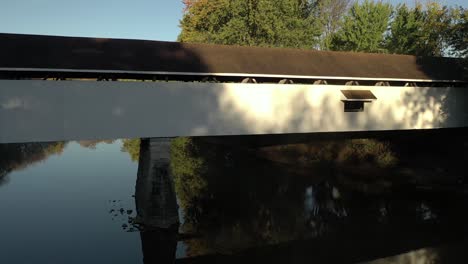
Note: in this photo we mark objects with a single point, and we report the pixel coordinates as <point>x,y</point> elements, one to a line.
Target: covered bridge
<point>66,88</point>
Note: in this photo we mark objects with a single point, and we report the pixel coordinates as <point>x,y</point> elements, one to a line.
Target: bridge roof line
<point>37,53</point>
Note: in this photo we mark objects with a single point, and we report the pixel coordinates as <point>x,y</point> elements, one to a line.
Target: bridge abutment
<point>155,196</point>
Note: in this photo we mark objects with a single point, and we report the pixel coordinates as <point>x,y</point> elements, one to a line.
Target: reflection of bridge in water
<point>429,224</point>
<point>274,210</point>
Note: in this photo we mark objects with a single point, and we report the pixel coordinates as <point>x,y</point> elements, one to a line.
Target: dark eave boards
<point>38,53</point>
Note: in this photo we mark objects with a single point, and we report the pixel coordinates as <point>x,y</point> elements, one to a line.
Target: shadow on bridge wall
<point>270,108</point>
<point>293,109</point>
<point>454,108</point>
<point>230,109</point>
<point>49,111</point>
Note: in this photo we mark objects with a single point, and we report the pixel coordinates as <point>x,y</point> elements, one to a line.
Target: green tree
<point>437,22</point>
<point>406,30</point>
<point>202,19</point>
<point>330,15</point>
<point>270,23</point>
<point>363,28</point>
<point>458,32</point>
<point>431,30</point>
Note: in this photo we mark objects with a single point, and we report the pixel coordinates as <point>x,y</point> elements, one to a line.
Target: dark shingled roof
<point>76,53</point>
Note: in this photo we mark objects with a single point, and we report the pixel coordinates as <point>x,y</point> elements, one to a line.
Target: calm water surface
<point>196,200</point>
<point>55,207</point>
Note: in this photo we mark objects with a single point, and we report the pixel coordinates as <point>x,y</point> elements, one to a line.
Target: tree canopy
<point>363,28</point>
<point>330,14</point>
<point>458,33</point>
<point>405,30</point>
<point>346,25</point>
<point>271,23</point>
<point>420,30</point>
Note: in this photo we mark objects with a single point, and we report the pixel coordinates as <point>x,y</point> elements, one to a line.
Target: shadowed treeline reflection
<point>19,156</point>
<point>241,198</point>
<point>361,198</point>
<point>328,199</point>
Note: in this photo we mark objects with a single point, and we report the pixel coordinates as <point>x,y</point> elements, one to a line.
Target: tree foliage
<point>458,32</point>
<point>363,28</point>
<point>424,30</point>
<point>346,25</point>
<point>437,22</point>
<point>405,30</point>
<point>271,23</point>
<point>330,14</point>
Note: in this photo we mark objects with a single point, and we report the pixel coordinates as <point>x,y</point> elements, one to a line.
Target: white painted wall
<point>70,110</point>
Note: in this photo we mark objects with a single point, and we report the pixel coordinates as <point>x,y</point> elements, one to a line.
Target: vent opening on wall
<point>355,99</point>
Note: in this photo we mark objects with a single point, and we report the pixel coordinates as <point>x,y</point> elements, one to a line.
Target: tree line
<point>429,29</point>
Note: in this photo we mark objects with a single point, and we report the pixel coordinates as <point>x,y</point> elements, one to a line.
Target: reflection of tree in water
<point>91,144</point>
<point>3,177</point>
<point>19,156</point>
<point>132,147</point>
<point>364,151</point>
<point>239,198</point>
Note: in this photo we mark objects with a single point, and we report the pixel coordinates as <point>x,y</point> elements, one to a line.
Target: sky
<point>130,19</point>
